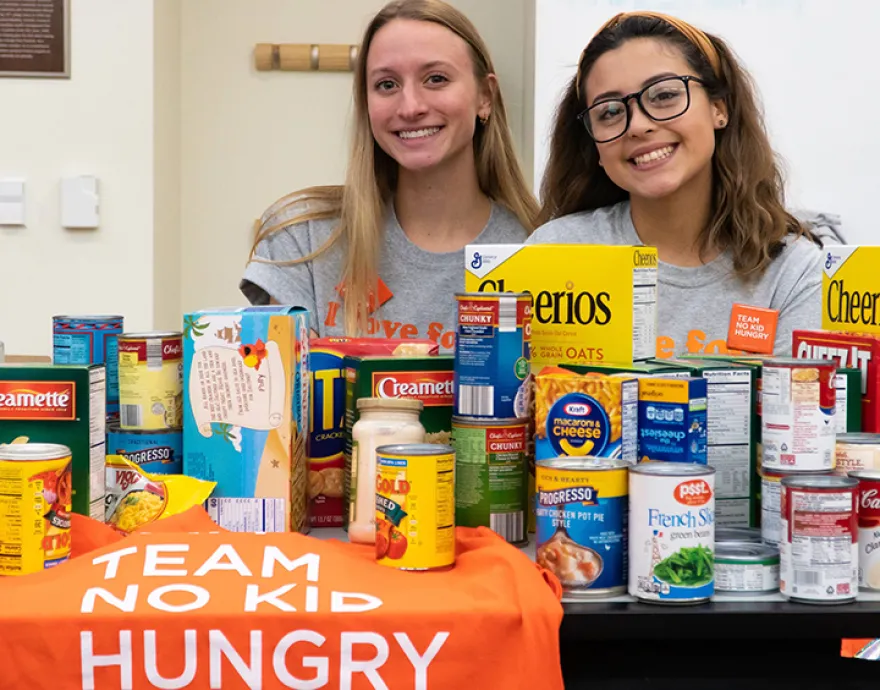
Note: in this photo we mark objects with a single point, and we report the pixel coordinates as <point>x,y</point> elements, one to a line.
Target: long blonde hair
<point>749,218</point>
<point>360,205</point>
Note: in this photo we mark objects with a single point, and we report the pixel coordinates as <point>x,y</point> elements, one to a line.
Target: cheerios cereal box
<point>246,403</point>
<point>591,303</point>
<point>326,446</point>
<point>851,289</point>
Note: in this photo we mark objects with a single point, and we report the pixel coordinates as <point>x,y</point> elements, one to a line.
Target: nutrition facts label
<point>644,313</point>
<point>248,514</point>
<point>732,476</point>
<point>729,406</point>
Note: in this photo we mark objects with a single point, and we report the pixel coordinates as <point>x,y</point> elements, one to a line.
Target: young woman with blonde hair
<point>658,140</point>
<point>432,169</point>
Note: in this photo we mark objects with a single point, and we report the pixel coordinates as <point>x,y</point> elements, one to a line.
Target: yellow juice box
<point>591,303</point>
<point>851,289</point>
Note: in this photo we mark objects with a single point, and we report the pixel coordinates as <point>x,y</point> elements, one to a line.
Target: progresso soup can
<point>492,374</point>
<point>581,507</point>
<point>672,532</point>
<point>157,452</point>
<point>90,340</point>
<point>797,414</point>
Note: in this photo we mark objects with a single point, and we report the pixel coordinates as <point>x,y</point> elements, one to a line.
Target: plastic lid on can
<point>673,469</point>
<point>26,452</point>
<point>406,404</point>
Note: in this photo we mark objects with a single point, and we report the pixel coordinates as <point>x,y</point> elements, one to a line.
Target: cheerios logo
<point>578,425</point>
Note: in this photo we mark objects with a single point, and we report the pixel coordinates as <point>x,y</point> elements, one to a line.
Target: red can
<point>869,527</point>
<point>819,552</point>
<point>797,414</point>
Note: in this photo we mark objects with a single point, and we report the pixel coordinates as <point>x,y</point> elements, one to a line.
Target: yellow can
<point>415,506</point>
<point>150,380</point>
<point>35,502</point>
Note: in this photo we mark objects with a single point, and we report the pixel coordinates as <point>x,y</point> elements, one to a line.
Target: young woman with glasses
<point>658,140</point>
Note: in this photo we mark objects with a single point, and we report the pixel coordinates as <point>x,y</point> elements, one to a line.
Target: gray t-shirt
<point>418,287</point>
<point>694,304</point>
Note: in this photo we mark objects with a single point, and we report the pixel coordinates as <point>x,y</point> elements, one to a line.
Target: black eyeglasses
<point>662,100</point>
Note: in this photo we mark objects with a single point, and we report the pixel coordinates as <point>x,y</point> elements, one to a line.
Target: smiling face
<point>422,95</point>
<point>653,160</point>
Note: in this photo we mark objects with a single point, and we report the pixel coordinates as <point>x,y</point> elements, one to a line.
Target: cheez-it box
<point>861,351</point>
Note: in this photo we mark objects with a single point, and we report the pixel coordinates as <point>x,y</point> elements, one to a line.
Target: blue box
<point>672,420</point>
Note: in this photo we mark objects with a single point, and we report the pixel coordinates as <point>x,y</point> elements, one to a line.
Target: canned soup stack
<point>149,432</point>
<point>492,407</point>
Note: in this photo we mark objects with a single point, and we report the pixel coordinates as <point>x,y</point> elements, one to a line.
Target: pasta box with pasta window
<point>246,402</point>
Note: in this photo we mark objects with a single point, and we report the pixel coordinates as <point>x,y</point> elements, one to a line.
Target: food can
<point>751,535</point>
<point>819,552</point>
<point>580,516</point>
<point>90,340</point>
<point>857,451</point>
<point>157,452</point>
<point>771,501</point>
<point>797,418</point>
<point>491,473</point>
<point>492,374</point>
<point>151,380</point>
<point>415,506</point>
<point>746,568</point>
<point>671,532</point>
<point>869,527</point>
<point>35,503</point>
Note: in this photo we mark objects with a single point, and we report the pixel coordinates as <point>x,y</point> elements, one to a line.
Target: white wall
<point>99,122</point>
<point>250,137</point>
<point>811,60</point>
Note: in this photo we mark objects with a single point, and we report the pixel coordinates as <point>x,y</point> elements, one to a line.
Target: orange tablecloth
<point>189,605</point>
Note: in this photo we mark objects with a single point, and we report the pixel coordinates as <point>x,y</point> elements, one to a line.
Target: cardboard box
<point>246,402</point>
<point>851,289</point>
<point>591,303</point>
<point>672,420</point>
<point>66,404</point>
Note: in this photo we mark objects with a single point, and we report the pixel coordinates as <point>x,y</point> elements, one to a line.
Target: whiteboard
<point>816,72</point>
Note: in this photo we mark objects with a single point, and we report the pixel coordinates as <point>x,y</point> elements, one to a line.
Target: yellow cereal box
<point>592,303</point>
<point>851,289</point>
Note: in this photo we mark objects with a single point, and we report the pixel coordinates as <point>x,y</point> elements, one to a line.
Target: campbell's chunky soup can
<point>797,414</point>
<point>672,532</point>
<point>819,551</point>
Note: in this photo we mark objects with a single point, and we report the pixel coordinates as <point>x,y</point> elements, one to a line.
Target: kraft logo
<point>477,261</point>
<point>577,409</point>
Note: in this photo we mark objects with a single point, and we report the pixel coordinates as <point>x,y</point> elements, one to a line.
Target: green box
<point>733,434</point>
<point>427,378</point>
<point>63,404</point>
<point>848,412</point>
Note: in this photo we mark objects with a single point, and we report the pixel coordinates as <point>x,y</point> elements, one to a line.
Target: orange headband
<point>691,33</point>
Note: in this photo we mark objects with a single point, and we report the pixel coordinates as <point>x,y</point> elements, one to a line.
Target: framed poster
<point>35,38</point>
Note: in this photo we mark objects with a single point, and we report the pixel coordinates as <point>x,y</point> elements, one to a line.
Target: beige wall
<point>98,122</point>
<point>249,137</point>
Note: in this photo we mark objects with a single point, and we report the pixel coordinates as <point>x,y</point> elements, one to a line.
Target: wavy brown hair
<point>360,205</point>
<point>748,215</point>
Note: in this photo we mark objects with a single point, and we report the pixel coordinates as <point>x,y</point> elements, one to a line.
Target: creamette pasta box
<point>591,303</point>
<point>41,403</point>
<point>246,403</point>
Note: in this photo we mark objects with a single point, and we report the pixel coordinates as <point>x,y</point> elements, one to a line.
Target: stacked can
<point>89,340</point>
<point>150,402</point>
<point>490,424</point>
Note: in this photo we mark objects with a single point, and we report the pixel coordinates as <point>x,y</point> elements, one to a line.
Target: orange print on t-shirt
<point>697,343</point>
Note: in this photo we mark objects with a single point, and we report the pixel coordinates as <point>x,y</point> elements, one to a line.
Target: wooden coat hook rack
<point>304,57</point>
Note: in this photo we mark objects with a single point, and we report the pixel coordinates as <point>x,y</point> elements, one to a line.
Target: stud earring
<point>484,119</point>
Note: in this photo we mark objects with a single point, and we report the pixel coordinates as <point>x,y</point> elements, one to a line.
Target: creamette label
<point>591,303</point>
<point>851,289</point>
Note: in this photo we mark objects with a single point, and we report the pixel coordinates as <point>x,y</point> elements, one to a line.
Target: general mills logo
<point>829,260</point>
<point>477,261</point>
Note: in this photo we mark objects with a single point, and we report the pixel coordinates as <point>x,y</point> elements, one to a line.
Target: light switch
<point>79,202</point>
<point>11,202</point>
